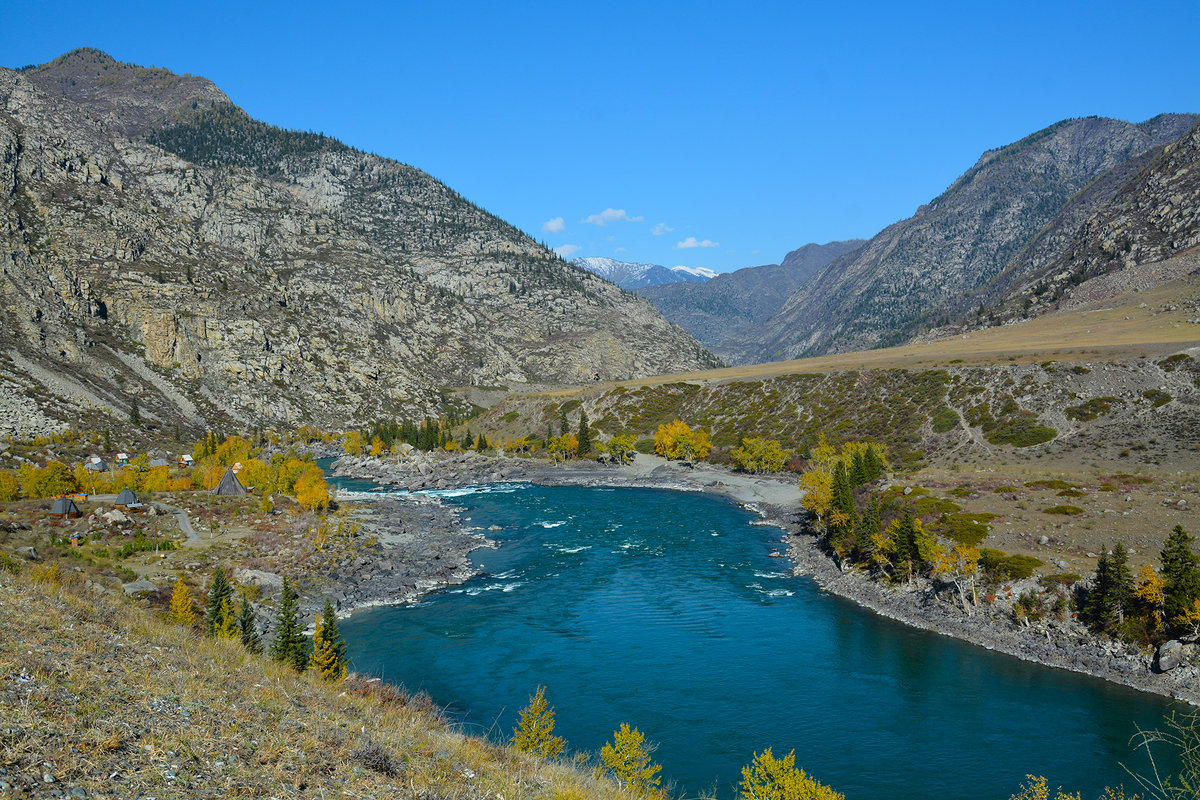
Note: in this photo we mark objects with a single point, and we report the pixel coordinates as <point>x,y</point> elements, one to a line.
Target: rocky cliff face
<point>726,313</point>
<point>931,265</point>
<point>159,247</point>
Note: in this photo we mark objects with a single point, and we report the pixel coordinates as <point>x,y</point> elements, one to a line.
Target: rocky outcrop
<point>157,245</point>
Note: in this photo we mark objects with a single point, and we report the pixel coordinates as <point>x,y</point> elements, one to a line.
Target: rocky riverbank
<point>1064,644</point>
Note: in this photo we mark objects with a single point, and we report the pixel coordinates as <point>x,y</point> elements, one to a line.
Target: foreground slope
<point>162,248</point>
<point>924,268</point>
<point>101,696</point>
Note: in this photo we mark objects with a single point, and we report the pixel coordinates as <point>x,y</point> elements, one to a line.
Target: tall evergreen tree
<point>872,463</point>
<point>248,626</point>
<point>563,427</point>
<point>1112,587</point>
<point>288,647</point>
<point>585,434</point>
<point>219,597</point>
<point>1181,573</point>
<point>329,649</point>
<point>858,470</point>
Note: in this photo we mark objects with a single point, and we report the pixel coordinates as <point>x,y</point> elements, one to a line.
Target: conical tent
<point>230,485</point>
<point>64,507</point>
<point>127,498</point>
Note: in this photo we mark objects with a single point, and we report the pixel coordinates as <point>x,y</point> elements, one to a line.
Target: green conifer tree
<point>288,647</point>
<point>219,597</point>
<point>585,434</point>
<point>1181,573</point>
<point>858,470</point>
<point>249,628</point>
<point>563,427</point>
<point>873,464</point>
<point>329,649</point>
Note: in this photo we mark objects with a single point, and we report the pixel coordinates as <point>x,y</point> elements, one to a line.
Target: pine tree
<point>563,427</point>
<point>227,627</point>
<point>1112,587</point>
<point>135,416</point>
<point>219,597</point>
<point>1181,573</point>
<point>181,604</point>
<point>585,435</point>
<point>107,441</point>
<point>874,466</point>
<point>843,517</point>
<point>249,628</point>
<point>628,756</point>
<point>858,470</point>
<point>329,649</point>
<point>288,647</point>
<point>868,525</point>
<point>535,732</point>
<point>481,443</point>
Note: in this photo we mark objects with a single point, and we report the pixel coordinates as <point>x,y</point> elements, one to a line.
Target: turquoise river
<point>665,610</point>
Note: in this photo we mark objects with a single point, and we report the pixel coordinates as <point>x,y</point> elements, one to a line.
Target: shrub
<point>1096,407</point>
<point>1005,490</point>
<point>7,564</point>
<point>1069,511</point>
<point>1170,363</point>
<point>1055,579</point>
<point>1072,493</point>
<point>968,530</point>
<point>375,757</point>
<point>945,419</point>
<point>1005,567</point>
<point>1047,484</point>
<point>644,446</point>
<point>1079,369</point>
<point>1021,432</point>
<point>1157,397</point>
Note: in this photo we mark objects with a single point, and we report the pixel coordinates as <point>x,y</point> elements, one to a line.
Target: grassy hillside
<point>105,697</point>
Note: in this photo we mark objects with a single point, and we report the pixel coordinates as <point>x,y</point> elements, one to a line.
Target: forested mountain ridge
<point>929,267</point>
<point>161,249</point>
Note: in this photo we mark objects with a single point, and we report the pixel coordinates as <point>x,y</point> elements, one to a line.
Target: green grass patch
<point>1157,397</point>
<point>1172,363</point>
<point>1079,369</point>
<point>962,491</point>
<point>645,446</point>
<point>1002,566</point>
<point>1107,487</point>
<point>1005,490</point>
<point>925,506</point>
<point>945,419</point>
<point>1072,492</point>
<point>511,416</point>
<point>1021,431</point>
<point>1056,579</point>
<point>968,530</point>
<point>1047,484</point>
<point>1064,510</point>
<point>1096,407</point>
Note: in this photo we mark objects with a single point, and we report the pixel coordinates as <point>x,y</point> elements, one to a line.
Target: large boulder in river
<point>1170,656</point>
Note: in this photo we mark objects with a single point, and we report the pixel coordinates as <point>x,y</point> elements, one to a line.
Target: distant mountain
<point>630,275</point>
<point>165,251</point>
<point>723,312</point>
<point>934,264</point>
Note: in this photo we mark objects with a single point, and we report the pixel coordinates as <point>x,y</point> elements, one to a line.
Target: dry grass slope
<point>101,696</point>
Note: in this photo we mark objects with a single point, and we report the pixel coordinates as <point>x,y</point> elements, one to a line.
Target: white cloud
<point>691,242</point>
<point>620,249</point>
<point>555,225</point>
<point>567,250</point>
<point>661,228</point>
<point>610,215</point>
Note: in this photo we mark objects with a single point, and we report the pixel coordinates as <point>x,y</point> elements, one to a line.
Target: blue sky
<point>705,134</point>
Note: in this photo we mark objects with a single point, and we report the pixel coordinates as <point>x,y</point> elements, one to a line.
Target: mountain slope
<point>922,268</point>
<point>724,312</point>
<point>162,248</point>
<point>631,275</point>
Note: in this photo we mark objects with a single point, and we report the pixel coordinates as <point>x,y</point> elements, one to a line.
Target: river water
<point>663,609</point>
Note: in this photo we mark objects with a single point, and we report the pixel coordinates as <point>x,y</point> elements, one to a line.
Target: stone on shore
<point>140,588</point>
<point>1170,656</point>
<point>267,581</point>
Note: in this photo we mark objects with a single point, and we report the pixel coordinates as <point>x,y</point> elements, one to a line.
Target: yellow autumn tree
<point>226,625</point>
<point>376,446</point>
<point>10,488</point>
<point>677,440</point>
<point>181,604</point>
<point>1149,589</point>
<point>961,567</point>
<point>311,489</point>
<point>353,443</point>
<point>1037,789</point>
<point>818,493</point>
<point>535,732</point>
<point>628,756</point>
<point>770,778</point>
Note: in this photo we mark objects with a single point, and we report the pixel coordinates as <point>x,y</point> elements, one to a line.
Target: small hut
<point>65,508</point>
<point>127,499</point>
<point>122,459</point>
<point>230,486</point>
<point>96,464</point>
<point>185,460</point>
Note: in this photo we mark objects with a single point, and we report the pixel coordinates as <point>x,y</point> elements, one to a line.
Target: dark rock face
<point>926,267</point>
<point>156,242</point>
<point>727,312</point>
